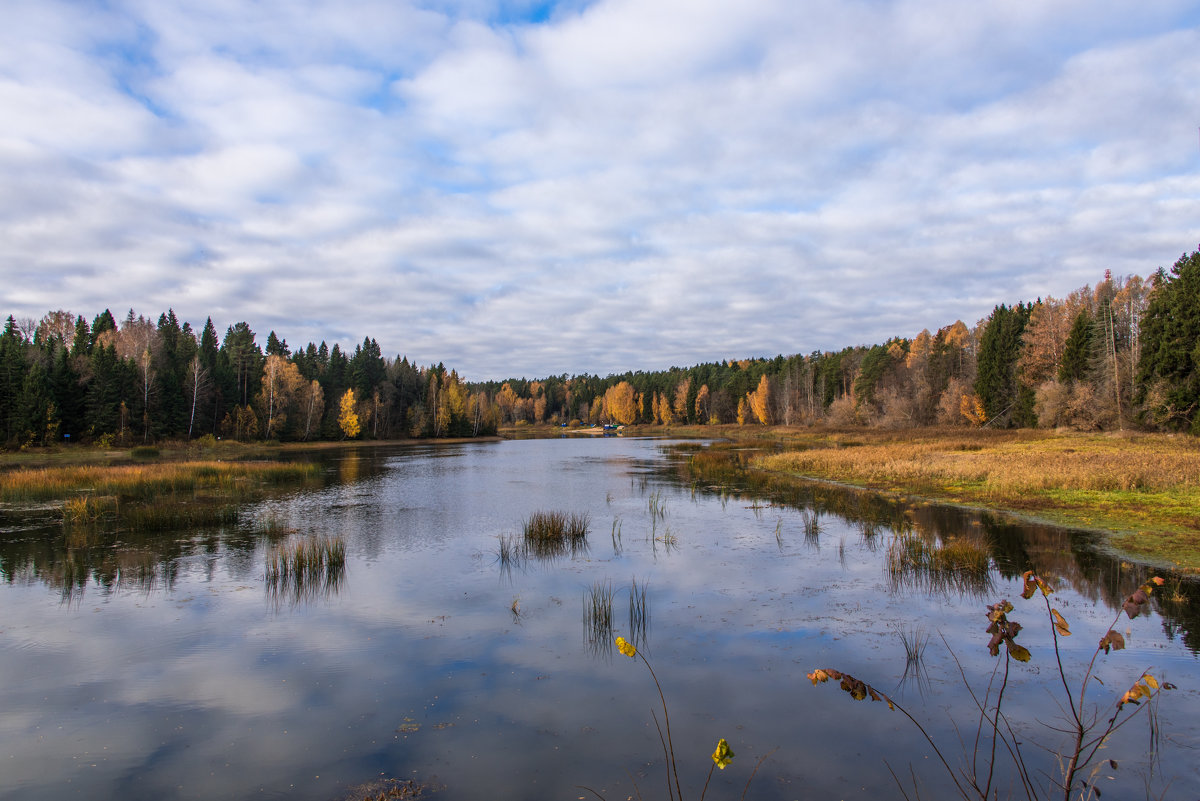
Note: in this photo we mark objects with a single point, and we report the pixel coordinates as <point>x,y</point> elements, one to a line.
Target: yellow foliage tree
<point>680,406</point>
<point>620,403</point>
<point>971,407</point>
<point>348,415</point>
<point>702,404</point>
<point>741,412</point>
<point>662,409</point>
<point>760,401</point>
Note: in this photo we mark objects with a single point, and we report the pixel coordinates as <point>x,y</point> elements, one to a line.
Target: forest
<point>1122,354</point>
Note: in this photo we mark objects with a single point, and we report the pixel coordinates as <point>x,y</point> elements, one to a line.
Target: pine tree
<point>1169,367</point>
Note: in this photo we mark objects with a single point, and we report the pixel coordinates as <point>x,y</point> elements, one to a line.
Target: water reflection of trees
<point>1074,558</point>
<point>132,561</point>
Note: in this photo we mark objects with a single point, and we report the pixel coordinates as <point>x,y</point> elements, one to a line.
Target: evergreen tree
<point>999,349</point>
<point>1077,352</point>
<point>1169,367</point>
<point>12,379</point>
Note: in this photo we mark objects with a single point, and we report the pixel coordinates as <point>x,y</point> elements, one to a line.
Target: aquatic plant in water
<point>1086,730</point>
<point>306,568</point>
<point>553,534</point>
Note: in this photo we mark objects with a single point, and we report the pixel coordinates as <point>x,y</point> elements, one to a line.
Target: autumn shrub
<point>994,764</point>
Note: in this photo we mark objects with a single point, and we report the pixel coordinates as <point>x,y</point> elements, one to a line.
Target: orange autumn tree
<point>620,402</point>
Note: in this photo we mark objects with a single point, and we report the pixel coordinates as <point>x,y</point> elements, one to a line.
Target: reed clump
<point>598,615</point>
<point>917,561</point>
<point>549,534</point>
<point>306,568</point>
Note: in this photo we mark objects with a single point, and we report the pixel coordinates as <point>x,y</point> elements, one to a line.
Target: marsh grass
<point>658,509</point>
<point>510,553</point>
<point>150,482</point>
<point>917,561</point>
<point>150,497</point>
<point>639,613</point>
<point>812,527</point>
<point>306,568</point>
<point>551,534</point>
<point>914,640</point>
<point>185,514</point>
<point>1121,481</point>
<point>598,625</point>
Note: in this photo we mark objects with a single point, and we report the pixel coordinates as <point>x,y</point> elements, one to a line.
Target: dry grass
<point>147,481</point>
<point>1007,464</point>
<point>1144,483</point>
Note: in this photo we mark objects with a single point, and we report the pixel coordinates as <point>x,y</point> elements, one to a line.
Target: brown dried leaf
<point>1018,652</point>
<point>1060,624</point>
<point>1113,640</point>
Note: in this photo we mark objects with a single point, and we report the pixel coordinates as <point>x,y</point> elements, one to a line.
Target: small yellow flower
<point>626,647</point>
<point>723,755</point>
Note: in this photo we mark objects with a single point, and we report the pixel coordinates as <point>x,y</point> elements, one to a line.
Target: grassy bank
<point>149,496</point>
<point>1143,489</point>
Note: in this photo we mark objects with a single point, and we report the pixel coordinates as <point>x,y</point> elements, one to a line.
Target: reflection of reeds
<point>156,517</point>
<point>919,562</point>
<point>598,616</point>
<point>639,614</point>
<point>552,534</point>
<point>616,535</point>
<point>812,527</point>
<point>658,510</point>
<point>509,554</point>
<point>307,568</point>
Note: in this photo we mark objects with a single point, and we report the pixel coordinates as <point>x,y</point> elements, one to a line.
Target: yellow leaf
<point>723,755</point>
<point>1153,682</point>
<point>1060,623</point>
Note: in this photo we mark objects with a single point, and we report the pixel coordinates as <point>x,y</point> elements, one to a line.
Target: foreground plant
<point>1086,730</point>
<point>721,757</point>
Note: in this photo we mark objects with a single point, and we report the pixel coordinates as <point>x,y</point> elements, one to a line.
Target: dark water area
<point>167,666</point>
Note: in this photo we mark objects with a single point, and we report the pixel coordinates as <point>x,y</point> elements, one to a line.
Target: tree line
<point>1124,353</point>
<point>141,381</point>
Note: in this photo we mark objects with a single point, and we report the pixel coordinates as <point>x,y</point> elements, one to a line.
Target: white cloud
<point>625,185</point>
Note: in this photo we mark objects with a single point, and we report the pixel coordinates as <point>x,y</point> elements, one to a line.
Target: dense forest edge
<point>1124,354</point>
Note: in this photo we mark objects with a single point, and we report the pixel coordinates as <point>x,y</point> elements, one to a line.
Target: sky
<point>532,188</point>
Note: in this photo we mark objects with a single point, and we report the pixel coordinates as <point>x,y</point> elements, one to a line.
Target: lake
<point>169,667</point>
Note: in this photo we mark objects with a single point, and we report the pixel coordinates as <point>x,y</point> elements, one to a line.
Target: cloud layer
<point>527,189</point>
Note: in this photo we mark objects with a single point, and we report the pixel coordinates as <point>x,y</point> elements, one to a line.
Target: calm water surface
<point>164,667</point>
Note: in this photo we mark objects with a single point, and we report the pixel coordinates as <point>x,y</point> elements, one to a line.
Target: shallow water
<point>165,667</point>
